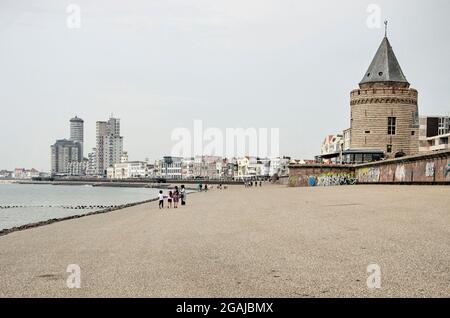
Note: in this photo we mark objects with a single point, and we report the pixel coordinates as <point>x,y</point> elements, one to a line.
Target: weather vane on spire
<point>385,28</point>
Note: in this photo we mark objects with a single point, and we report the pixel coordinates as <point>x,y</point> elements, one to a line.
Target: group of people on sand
<point>205,187</point>
<point>174,196</point>
<point>249,184</point>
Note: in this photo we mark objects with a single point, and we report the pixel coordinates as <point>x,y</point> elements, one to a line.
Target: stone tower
<point>384,111</point>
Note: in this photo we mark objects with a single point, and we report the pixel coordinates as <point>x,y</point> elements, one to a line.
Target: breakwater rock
<point>47,222</point>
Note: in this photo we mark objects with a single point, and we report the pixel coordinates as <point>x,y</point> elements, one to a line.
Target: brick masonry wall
<point>303,175</point>
<point>429,168</point>
<point>370,109</point>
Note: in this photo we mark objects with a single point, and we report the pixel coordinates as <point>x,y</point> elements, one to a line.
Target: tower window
<point>381,73</point>
<point>392,122</point>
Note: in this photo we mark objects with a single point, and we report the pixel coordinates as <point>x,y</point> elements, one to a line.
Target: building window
<point>443,126</point>
<point>359,158</point>
<point>413,133</point>
<point>389,149</point>
<point>392,121</point>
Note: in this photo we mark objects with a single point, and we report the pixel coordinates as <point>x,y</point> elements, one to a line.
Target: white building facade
<point>109,148</point>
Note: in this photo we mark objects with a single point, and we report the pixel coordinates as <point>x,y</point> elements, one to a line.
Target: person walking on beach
<point>176,196</point>
<point>161,199</point>
<point>183,195</point>
<point>169,200</point>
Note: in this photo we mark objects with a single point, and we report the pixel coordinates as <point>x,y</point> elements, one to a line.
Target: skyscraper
<point>77,131</point>
<point>109,144</point>
<point>67,152</point>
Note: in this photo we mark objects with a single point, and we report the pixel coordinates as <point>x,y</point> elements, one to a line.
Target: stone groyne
<point>51,221</point>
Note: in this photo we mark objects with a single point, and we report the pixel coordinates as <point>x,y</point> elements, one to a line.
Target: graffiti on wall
<point>330,179</point>
<point>369,175</point>
<point>400,174</point>
<point>293,181</point>
<point>447,170</point>
<point>429,169</point>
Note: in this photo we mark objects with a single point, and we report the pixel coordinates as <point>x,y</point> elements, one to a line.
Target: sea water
<point>45,202</point>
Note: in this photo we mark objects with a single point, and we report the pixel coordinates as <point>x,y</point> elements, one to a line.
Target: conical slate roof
<point>384,66</point>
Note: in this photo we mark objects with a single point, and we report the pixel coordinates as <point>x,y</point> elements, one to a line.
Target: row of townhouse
<point>201,167</point>
<point>20,173</point>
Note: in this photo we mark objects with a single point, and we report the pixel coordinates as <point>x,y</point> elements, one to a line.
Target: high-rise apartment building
<point>109,145</point>
<point>66,152</point>
<point>63,152</point>
<point>91,169</point>
<point>77,131</point>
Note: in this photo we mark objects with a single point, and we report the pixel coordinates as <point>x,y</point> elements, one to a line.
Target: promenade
<point>244,242</point>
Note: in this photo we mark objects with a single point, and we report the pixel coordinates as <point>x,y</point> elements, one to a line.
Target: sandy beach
<point>257,242</point>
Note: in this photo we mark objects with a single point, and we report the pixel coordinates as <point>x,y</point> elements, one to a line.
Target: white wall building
<point>279,166</point>
<point>128,170</point>
<point>21,173</point>
<point>332,144</point>
<point>187,168</point>
<point>109,145</point>
<point>92,163</point>
<point>169,168</point>
<point>77,168</point>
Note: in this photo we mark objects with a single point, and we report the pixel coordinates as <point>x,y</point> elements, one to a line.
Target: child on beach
<point>176,195</point>
<point>169,200</point>
<point>161,199</point>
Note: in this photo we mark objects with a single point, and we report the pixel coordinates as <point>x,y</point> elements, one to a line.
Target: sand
<point>257,242</point>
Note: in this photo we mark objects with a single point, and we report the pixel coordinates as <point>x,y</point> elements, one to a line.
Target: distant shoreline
<point>102,184</point>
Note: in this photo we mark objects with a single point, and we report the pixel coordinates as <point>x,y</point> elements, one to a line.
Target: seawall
<point>429,169</point>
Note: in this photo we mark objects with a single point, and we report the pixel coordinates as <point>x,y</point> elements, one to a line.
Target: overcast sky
<point>161,64</point>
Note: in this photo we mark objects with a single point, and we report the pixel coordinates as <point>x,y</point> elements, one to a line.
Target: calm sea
<point>35,196</point>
